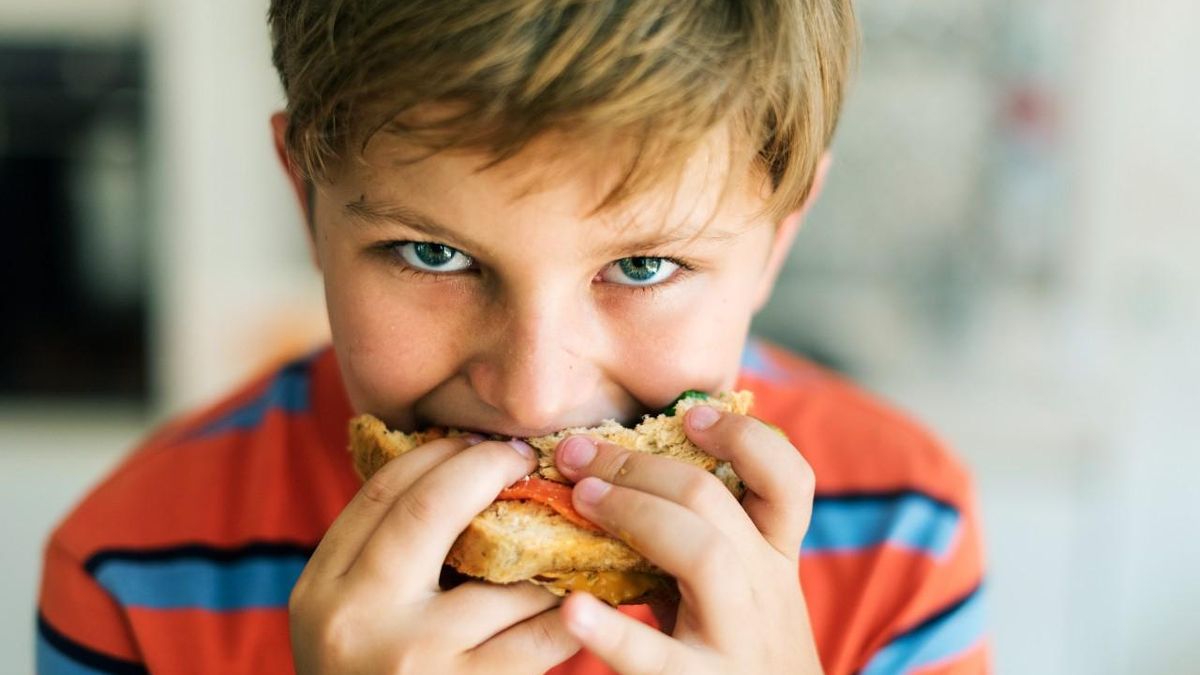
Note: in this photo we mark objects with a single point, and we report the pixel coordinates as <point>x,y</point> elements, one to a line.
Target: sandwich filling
<point>554,495</point>
<point>602,584</point>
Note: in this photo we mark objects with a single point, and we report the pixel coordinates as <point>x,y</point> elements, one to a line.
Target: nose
<point>534,368</point>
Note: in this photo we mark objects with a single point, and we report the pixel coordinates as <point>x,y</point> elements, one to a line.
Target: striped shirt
<point>182,559</point>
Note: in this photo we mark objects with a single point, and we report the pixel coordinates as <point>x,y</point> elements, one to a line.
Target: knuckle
<point>300,597</point>
<point>337,635</point>
<point>717,562</point>
<point>805,478</point>
<point>417,507</point>
<point>406,662</point>
<point>760,435</point>
<point>803,494</point>
<point>740,431</point>
<point>378,491</point>
<point>333,635</point>
<point>543,636</point>
<point>297,605</point>
<point>495,454</point>
<point>617,464</point>
<point>700,490</point>
<point>486,466</point>
<point>332,630</point>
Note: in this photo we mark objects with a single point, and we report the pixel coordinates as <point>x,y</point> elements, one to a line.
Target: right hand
<point>368,601</point>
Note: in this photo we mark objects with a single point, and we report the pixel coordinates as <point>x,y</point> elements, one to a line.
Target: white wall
<point>48,458</point>
<point>1139,285</point>
<point>75,19</point>
<point>233,286</point>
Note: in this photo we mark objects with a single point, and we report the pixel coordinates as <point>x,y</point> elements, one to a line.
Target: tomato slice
<point>555,495</point>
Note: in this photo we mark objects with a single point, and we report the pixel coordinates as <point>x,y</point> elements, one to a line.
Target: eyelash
<point>388,249</point>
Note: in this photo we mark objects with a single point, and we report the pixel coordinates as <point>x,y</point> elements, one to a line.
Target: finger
<point>350,530</point>
<point>685,484</point>
<point>779,481</point>
<point>705,562</point>
<point>476,611</point>
<point>532,646</point>
<point>627,645</point>
<point>413,537</point>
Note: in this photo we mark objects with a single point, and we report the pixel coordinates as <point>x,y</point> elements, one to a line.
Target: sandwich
<point>531,533</point>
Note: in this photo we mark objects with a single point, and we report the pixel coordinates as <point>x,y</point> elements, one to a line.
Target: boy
<point>533,214</point>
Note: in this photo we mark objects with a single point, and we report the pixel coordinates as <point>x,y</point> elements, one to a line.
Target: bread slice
<point>512,541</point>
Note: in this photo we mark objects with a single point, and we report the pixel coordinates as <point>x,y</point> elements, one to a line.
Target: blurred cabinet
<point>73,205</point>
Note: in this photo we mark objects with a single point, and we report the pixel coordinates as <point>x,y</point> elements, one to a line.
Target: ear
<point>785,235</point>
<point>303,189</point>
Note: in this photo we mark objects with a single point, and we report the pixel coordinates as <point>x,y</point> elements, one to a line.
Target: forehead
<point>559,179</point>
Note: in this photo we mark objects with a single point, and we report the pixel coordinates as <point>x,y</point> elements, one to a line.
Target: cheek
<point>394,344</point>
<point>695,343</point>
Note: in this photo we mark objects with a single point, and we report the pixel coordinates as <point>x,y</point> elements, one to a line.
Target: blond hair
<point>660,73</point>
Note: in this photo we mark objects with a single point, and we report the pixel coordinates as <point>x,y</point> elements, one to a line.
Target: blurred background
<point>1006,249</point>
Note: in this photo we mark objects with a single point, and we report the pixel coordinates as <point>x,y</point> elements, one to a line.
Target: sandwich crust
<point>514,541</point>
<point>520,540</point>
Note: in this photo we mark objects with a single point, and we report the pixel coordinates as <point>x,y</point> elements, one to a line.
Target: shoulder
<point>215,476</point>
<point>857,443</point>
<point>892,561</point>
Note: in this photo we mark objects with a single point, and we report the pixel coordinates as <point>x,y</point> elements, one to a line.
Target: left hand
<point>741,608</point>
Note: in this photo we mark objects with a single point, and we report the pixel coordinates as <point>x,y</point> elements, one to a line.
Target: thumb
<point>626,645</point>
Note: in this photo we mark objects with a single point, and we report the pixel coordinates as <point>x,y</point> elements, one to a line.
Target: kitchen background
<point>1006,249</point>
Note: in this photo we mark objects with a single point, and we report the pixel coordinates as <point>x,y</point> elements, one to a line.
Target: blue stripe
<point>756,362</point>
<point>907,520</point>
<point>253,582</point>
<point>948,635</point>
<point>50,661</point>
<point>287,391</point>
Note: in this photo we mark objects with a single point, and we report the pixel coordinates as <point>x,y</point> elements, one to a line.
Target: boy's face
<point>492,301</point>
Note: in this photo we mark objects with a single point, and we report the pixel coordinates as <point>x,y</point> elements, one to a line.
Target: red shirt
<point>182,560</point>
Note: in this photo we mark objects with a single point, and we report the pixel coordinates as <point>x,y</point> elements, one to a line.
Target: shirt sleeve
<point>941,626</point>
<point>81,629</point>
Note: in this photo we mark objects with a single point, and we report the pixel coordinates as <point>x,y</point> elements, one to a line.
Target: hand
<point>368,601</point>
<point>741,609</point>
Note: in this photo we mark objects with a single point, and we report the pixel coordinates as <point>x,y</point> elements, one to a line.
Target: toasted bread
<point>514,541</point>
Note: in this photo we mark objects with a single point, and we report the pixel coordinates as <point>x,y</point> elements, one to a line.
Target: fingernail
<point>474,439</point>
<point>577,452</point>
<point>522,448</point>
<point>591,489</point>
<point>702,417</point>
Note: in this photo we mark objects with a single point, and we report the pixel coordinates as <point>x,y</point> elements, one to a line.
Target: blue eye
<point>437,258</point>
<point>640,271</point>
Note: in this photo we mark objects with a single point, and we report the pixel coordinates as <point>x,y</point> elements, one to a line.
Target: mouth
<point>464,414</point>
<point>505,431</point>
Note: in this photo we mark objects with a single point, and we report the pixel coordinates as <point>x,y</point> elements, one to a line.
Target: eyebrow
<point>374,213</point>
